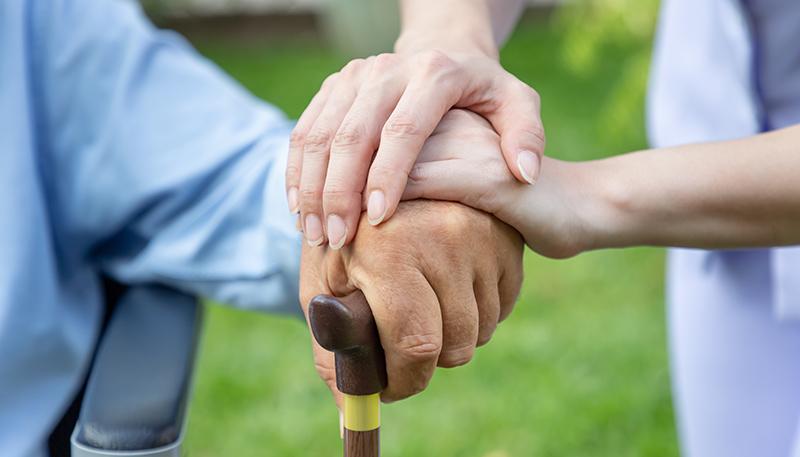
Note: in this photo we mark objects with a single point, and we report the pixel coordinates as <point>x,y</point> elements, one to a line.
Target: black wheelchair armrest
<point>137,393</point>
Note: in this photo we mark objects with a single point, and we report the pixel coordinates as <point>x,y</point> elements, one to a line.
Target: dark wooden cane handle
<point>346,327</point>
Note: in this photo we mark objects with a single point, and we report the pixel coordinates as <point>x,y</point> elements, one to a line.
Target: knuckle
<point>436,61</point>
<point>461,115</point>
<point>338,189</point>
<point>538,131</point>
<point>456,357</point>
<point>527,91</point>
<point>383,175</point>
<point>534,95</point>
<point>353,66</point>
<point>402,126</point>
<point>326,373</point>
<point>348,135</point>
<point>439,69</point>
<point>379,81</point>
<point>455,220</point>
<point>420,347</point>
<point>296,138</point>
<point>330,81</point>
<point>413,387</point>
<point>317,140</point>
<point>393,393</point>
<point>383,62</point>
<point>292,173</point>
<point>484,337</point>
<point>535,132</point>
<point>486,331</point>
<point>418,174</point>
<point>448,223</point>
<point>337,198</point>
<point>309,197</point>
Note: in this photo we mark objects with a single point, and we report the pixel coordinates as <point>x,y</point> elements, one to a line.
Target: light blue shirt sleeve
<point>160,167</point>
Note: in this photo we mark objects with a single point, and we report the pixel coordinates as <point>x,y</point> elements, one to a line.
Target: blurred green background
<point>579,369</point>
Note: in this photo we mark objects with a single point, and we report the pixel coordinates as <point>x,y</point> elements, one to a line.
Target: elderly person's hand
<point>358,138</point>
<point>438,277</point>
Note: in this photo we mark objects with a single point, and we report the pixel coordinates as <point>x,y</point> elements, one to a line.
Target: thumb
<point>518,122</point>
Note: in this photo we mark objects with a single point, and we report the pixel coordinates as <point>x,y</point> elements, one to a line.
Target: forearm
<point>457,25</point>
<point>742,193</point>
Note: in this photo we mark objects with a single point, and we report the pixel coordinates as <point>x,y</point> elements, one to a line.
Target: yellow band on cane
<point>362,413</point>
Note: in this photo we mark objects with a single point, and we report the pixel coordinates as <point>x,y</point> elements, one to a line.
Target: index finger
<point>409,322</point>
<point>294,163</point>
<point>418,112</point>
<point>352,150</point>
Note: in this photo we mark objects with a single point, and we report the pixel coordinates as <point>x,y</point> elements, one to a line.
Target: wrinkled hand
<point>391,103</point>
<point>438,277</point>
<point>460,162</point>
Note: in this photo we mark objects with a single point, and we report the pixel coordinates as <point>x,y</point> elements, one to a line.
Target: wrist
<point>609,217</point>
<point>413,41</point>
<point>574,207</point>
<point>462,26</point>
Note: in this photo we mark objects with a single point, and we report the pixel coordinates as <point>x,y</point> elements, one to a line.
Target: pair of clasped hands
<point>413,177</point>
<point>406,171</point>
<point>417,175</point>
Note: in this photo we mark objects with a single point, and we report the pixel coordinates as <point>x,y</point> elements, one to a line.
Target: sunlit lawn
<point>579,369</point>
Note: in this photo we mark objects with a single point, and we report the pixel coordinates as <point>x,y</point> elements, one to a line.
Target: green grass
<point>579,369</point>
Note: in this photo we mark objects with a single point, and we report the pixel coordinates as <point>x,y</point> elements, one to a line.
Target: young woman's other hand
<point>461,162</point>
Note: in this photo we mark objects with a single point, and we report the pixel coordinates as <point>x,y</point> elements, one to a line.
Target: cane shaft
<point>362,444</point>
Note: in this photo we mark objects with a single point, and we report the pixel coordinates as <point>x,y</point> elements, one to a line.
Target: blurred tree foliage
<point>592,25</point>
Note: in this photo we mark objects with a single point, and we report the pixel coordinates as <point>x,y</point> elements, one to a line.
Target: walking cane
<point>346,327</point>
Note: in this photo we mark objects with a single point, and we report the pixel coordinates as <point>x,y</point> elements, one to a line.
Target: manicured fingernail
<point>341,425</point>
<point>293,202</point>
<point>313,230</point>
<point>528,164</point>
<point>337,231</point>
<point>376,207</point>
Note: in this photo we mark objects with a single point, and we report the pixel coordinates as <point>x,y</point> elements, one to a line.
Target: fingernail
<point>341,425</point>
<point>298,225</point>
<point>376,207</point>
<point>313,230</point>
<point>292,197</point>
<point>337,231</point>
<point>528,164</point>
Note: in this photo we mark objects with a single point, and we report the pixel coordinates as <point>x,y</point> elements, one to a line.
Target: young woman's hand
<point>461,162</point>
<point>362,132</point>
